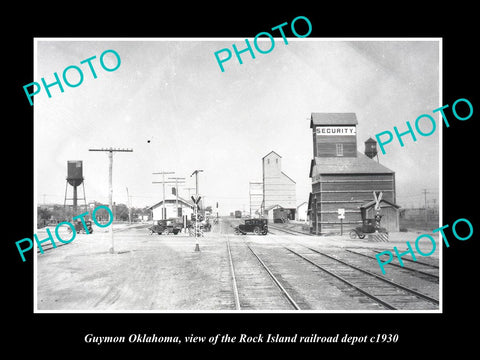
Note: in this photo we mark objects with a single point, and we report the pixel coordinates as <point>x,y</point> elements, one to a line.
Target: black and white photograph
<point>246,189</point>
<point>257,181</point>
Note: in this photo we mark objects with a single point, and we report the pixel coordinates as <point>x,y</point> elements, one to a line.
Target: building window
<point>339,149</point>
<point>276,160</point>
<point>268,161</point>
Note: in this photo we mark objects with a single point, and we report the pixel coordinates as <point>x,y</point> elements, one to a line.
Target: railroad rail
<point>275,280</point>
<point>423,274</point>
<point>406,259</point>
<point>391,295</point>
<point>288,231</point>
<point>48,246</point>
<point>235,282</point>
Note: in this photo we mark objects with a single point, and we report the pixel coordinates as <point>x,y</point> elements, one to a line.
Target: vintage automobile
<point>79,228</point>
<point>257,226</point>
<point>368,227</point>
<point>165,227</point>
<point>206,225</point>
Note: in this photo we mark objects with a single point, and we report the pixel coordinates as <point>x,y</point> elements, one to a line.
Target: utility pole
<point>129,206</point>
<point>196,180</point>
<point>163,173</point>
<point>426,213</point>
<point>197,247</point>
<point>189,194</point>
<point>176,189</point>
<point>110,187</point>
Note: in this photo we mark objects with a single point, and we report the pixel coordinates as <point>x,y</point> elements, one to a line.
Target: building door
<point>389,217</point>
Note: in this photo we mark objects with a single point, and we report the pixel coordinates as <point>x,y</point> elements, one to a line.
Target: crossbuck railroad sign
<point>196,200</point>
<point>377,199</point>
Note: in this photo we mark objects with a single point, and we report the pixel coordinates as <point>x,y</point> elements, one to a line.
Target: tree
<point>121,212</point>
<point>43,215</point>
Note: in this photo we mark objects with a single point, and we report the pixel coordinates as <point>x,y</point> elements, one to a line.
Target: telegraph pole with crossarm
<point>163,173</point>
<point>178,180</point>
<point>110,188</point>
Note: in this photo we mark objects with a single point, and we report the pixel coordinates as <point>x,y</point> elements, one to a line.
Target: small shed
<point>268,212</point>
<point>302,212</point>
<point>390,214</point>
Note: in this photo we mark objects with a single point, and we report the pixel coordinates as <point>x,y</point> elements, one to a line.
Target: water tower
<point>371,148</point>
<point>75,179</point>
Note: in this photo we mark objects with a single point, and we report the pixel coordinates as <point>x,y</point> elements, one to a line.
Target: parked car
<point>79,228</point>
<point>257,226</point>
<point>368,227</point>
<point>165,227</point>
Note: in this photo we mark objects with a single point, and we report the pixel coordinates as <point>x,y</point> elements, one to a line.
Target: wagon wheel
<point>165,232</point>
<point>353,234</point>
<point>361,236</point>
<point>236,231</point>
<point>150,231</point>
<point>256,230</point>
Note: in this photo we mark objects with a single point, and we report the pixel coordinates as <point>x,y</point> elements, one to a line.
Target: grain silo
<point>344,179</point>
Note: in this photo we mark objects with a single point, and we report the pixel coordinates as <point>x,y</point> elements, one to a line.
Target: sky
<point>170,102</point>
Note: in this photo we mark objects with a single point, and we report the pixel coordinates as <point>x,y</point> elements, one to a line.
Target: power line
<point>176,190</point>
<point>110,196</point>
<point>163,182</point>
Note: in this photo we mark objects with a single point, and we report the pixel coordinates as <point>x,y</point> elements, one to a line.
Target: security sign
<point>335,130</point>
<point>341,214</point>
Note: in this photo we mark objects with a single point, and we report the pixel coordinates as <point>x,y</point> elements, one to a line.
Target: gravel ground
<point>164,273</point>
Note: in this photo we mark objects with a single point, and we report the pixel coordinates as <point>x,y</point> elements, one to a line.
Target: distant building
<point>185,207</point>
<point>269,212</point>
<point>256,198</point>
<point>278,188</point>
<point>302,212</point>
<point>344,178</point>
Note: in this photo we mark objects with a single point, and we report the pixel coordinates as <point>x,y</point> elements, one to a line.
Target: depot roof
<point>361,164</point>
<point>172,199</point>
<point>333,119</point>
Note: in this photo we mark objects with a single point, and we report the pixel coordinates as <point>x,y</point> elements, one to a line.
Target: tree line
<point>53,214</point>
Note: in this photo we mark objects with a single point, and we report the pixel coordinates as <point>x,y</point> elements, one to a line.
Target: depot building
<point>174,207</point>
<point>344,180</point>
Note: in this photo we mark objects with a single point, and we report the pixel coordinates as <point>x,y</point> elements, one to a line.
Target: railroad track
<point>288,231</point>
<point>243,276</point>
<point>421,273</point>
<point>389,294</point>
<point>48,245</point>
<point>412,261</point>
